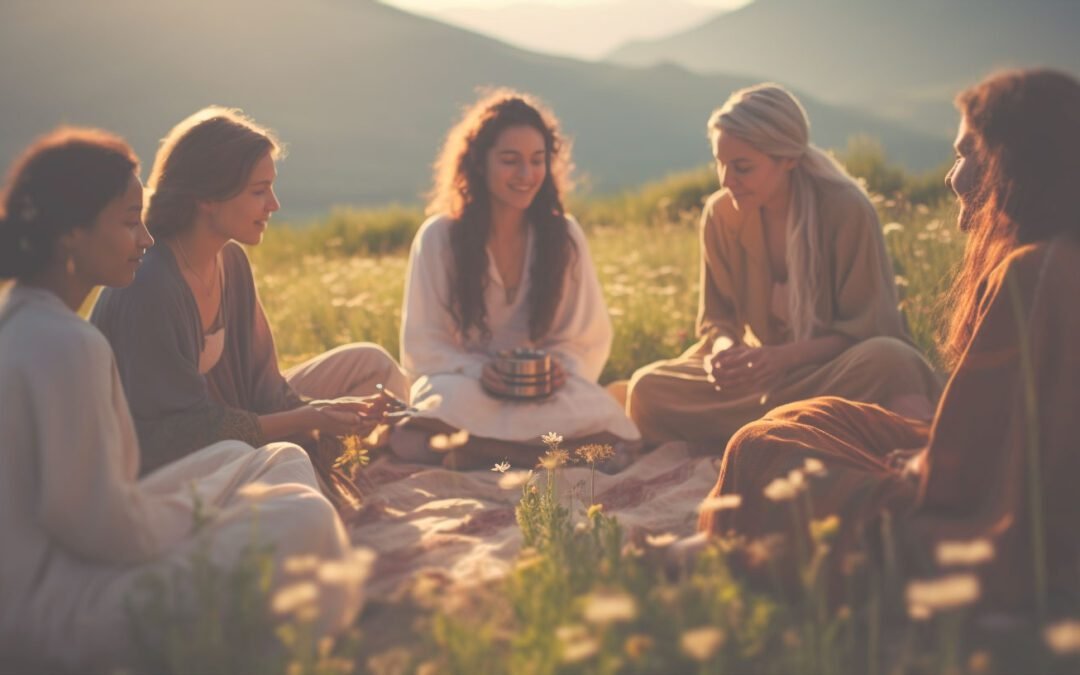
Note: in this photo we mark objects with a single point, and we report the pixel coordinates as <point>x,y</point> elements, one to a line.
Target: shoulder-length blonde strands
<point>460,192</point>
<point>1026,128</point>
<point>207,157</point>
<point>771,119</point>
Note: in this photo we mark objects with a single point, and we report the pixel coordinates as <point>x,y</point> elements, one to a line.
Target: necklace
<point>207,288</point>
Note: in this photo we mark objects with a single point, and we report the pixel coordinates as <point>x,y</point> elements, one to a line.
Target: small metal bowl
<point>526,374</point>
<point>523,361</point>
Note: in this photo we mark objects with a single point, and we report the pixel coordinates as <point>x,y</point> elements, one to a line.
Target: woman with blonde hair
<point>192,342</point>
<point>797,290</point>
<point>498,266</point>
<point>996,467</point>
<point>80,531</point>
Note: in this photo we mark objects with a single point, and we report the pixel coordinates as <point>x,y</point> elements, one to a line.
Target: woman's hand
<point>348,414</point>
<point>492,380</point>
<point>558,375</point>
<point>748,368</point>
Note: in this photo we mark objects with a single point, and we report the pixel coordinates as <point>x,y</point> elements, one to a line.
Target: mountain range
<point>361,92</point>
<point>899,60</point>
<point>583,30</point>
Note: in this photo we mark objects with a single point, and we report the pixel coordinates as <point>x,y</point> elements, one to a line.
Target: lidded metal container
<point>526,373</point>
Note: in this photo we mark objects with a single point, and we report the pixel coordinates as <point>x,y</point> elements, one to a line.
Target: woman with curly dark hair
<point>500,266</point>
<point>996,465</point>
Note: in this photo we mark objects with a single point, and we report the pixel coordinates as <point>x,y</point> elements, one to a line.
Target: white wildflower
<point>345,573</point>
<point>299,564</point>
<point>577,643</point>
<point>796,479</point>
<point>291,598</point>
<point>581,650</point>
<point>551,439</point>
<point>892,227</point>
<point>813,467</point>
<point>1063,637</point>
<point>919,613</point>
<point>972,552</point>
<point>501,467</point>
<point>701,644</point>
<point>447,442</point>
<point>609,606</point>
<point>720,503</point>
<point>661,540</point>
<point>943,594</point>
<point>780,489</point>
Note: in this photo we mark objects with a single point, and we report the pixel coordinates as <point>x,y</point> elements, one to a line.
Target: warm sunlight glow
<point>588,29</point>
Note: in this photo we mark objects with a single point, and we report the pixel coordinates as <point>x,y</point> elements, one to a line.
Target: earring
<point>70,267</point>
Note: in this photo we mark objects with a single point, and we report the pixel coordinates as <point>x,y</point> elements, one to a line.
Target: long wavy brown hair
<point>460,192</point>
<point>1026,128</point>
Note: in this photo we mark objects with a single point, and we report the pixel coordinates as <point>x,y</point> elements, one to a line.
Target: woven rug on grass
<point>461,524</point>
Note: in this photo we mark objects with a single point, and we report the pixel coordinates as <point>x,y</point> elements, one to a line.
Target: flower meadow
<point>583,596</point>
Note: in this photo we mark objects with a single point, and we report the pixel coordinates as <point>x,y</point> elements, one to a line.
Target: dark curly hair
<point>460,191</point>
<point>63,180</point>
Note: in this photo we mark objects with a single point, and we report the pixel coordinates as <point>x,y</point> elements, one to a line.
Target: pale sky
<point>585,29</point>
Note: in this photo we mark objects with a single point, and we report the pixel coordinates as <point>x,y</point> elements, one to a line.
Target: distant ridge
<point>572,30</point>
<point>362,93</point>
<point>902,59</point>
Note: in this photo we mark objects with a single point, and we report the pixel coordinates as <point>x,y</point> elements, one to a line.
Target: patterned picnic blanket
<point>462,524</point>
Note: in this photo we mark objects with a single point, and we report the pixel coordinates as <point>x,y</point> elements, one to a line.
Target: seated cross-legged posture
<point>194,347</point>
<point>78,529</point>
<point>797,291</point>
<point>998,462</point>
<point>499,266</point>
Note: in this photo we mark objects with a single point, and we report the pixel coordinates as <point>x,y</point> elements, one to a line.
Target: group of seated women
<point>119,433</point>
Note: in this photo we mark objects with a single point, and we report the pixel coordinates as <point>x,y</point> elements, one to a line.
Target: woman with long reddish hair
<point>500,265</point>
<point>998,461</point>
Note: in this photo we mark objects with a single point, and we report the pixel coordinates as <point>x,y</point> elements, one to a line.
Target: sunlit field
<point>584,598</point>
<point>341,279</point>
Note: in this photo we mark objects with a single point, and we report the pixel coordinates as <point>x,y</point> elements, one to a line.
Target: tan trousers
<point>673,400</point>
<point>349,370</point>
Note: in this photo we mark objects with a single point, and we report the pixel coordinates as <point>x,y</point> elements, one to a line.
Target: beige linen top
<point>737,289</point>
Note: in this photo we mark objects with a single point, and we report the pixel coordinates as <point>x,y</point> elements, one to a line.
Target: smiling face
<point>963,177</point>
<point>108,252</point>
<point>754,178</point>
<point>515,167</point>
<point>246,215</point>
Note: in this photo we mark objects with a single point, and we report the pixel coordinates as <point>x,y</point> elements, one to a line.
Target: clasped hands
<point>747,368</point>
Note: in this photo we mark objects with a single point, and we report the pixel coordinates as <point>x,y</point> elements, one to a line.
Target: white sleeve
<point>430,340</point>
<point>581,333</point>
<point>90,502</point>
